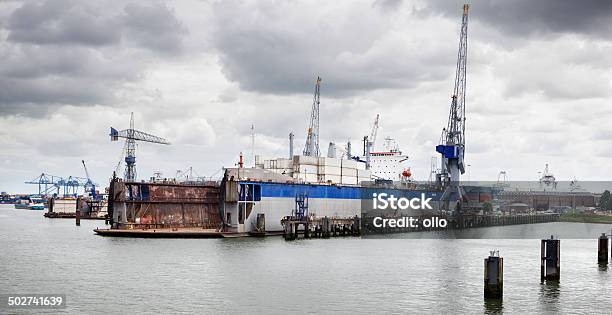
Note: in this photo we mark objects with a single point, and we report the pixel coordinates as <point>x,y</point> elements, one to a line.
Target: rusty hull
<point>151,205</point>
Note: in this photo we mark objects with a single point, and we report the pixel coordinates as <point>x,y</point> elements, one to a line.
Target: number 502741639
<point>33,300</point>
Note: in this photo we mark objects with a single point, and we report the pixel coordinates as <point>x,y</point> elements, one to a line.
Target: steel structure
<point>369,145</point>
<point>47,183</point>
<point>312,140</point>
<point>90,185</point>
<point>452,141</point>
<point>132,135</point>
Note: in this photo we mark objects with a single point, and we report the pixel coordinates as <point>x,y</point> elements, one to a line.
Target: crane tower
<point>452,141</point>
<point>312,140</point>
<point>371,141</point>
<point>132,135</point>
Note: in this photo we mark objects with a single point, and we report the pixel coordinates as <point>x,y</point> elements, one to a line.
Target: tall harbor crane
<point>89,185</point>
<point>131,136</point>
<point>452,141</point>
<point>312,140</point>
<point>369,142</point>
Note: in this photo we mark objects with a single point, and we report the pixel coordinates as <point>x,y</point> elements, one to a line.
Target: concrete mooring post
<point>602,249</point>
<point>493,276</point>
<point>550,268</point>
<point>261,222</point>
<point>78,217</point>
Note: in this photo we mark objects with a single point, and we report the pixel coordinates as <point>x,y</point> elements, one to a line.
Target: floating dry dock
<point>259,202</point>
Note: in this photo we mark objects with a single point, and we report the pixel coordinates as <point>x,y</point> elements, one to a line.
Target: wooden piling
<point>493,276</point>
<point>602,250</point>
<point>550,253</point>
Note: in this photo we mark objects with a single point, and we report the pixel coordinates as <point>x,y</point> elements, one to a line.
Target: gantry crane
<point>312,140</point>
<point>452,141</point>
<point>131,136</point>
<point>47,183</point>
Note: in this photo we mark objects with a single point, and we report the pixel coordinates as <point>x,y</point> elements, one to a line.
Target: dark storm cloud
<point>78,53</point>
<point>61,22</point>
<point>152,26</point>
<point>281,49</point>
<point>536,18</point>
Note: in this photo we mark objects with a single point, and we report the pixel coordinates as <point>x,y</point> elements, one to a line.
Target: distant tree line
<point>605,202</point>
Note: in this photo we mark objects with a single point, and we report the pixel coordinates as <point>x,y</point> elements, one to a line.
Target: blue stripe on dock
<point>288,190</point>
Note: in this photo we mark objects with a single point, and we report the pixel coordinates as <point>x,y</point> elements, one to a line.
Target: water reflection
<point>603,266</point>
<point>493,306</point>
<point>549,295</point>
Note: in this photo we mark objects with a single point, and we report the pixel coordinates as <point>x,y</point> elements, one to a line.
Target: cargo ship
<point>6,199</point>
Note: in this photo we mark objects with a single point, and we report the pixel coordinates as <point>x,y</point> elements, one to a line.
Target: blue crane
<point>89,185</point>
<point>452,141</point>
<point>47,183</point>
<point>132,135</point>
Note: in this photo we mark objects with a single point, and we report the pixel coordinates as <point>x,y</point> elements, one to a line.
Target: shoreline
<point>585,218</point>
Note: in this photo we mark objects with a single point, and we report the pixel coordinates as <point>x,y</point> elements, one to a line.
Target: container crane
<point>312,140</point>
<point>46,183</point>
<point>132,135</point>
<point>452,141</point>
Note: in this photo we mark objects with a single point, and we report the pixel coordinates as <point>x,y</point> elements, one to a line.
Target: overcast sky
<point>199,73</point>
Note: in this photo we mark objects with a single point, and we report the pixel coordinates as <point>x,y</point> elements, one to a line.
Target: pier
<point>463,221</point>
<point>324,227</point>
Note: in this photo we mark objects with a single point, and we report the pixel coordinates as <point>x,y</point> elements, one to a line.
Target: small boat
<point>30,203</point>
<point>36,204</point>
<point>22,203</point>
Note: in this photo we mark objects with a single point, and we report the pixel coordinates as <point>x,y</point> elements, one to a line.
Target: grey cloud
<point>154,27</point>
<point>387,5</point>
<point>61,22</point>
<point>540,18</point>
<point>280,50</point>
<point>78,53</point>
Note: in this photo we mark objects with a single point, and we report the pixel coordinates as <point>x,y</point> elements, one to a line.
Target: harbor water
<point>269,275</point>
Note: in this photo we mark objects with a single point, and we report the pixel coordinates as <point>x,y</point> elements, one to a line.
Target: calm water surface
<point>393,275</point>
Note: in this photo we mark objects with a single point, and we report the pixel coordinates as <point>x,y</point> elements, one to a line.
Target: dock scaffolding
<point>311,226</point>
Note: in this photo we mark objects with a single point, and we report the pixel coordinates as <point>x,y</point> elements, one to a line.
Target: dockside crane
<point>312,140</point>
<point>89,185</point>
<point>46,183</point>
<point>369,142</point>
<point>132,135</point>
<point>452,141</point>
